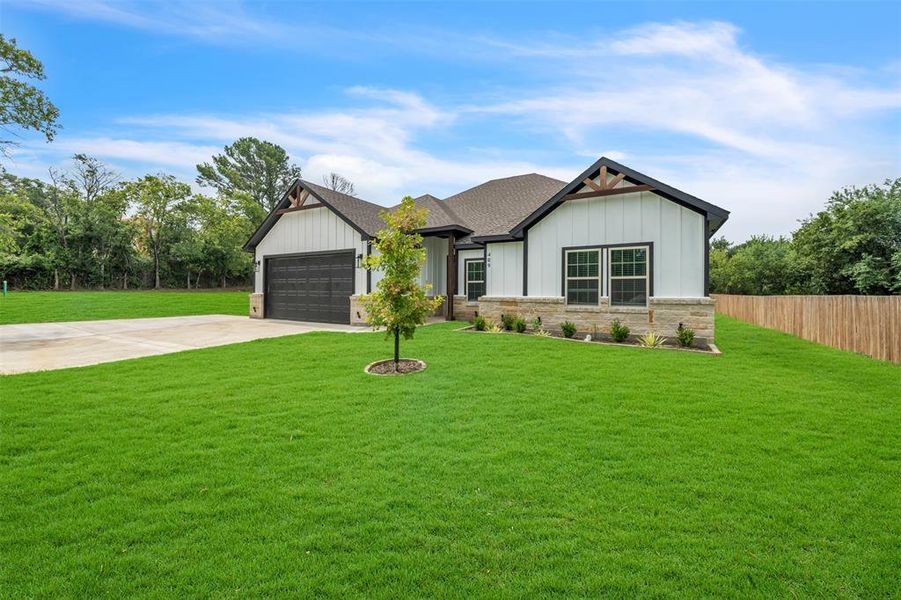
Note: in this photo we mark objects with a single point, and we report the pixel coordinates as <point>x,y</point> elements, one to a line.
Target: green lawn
<point>511,467</point>
<point>41,307</point>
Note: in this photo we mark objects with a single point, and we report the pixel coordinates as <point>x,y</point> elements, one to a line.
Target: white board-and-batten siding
<point>313,230</point>
<point>434,270</point>
<point>677,234</point>
<point>504,269</point>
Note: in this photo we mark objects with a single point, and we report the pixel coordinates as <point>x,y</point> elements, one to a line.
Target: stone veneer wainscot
<point>661,316</point>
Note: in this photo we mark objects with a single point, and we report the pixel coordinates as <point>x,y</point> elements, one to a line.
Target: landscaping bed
<point>619,336</point>
<point>607,340</point>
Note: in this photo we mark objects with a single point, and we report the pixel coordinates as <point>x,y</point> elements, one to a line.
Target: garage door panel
<point>312,287</point>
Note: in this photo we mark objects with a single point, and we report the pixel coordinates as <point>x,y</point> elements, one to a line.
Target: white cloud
<point>373,146</point>
<point>157,154</point>
<point>225,20</point>
<point>683,102</point>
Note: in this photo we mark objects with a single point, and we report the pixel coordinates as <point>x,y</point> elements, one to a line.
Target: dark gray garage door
<point>310,287</point>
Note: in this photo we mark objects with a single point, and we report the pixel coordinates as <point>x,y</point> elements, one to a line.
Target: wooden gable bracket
<point>630,189</point>
<point>297,202</point>
<point>602,183</point>
<point>605,187</point>
<point>301,197</point>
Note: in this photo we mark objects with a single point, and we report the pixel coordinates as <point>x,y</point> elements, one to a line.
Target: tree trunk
<point>125,280</point>
<point>56,279</point>
<point>72,280</point>
<point>189,280</point>
<point>396,349</point>
<point>156,269</point>
<point>223,282</point>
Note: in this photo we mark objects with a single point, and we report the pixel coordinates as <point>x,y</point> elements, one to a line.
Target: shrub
<point>507,321</point>
<point>568,328</point>
<point>536,323</point>
<point>494,328</point>
<point>685,335</point>
<point>618,331</point>
<point>479,323</point>
<point>651,340</point>
<point>519,325</point>
<point>543,333</point>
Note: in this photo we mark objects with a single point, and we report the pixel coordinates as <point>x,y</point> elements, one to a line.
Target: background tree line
<point>852,246</point>
<point>86,228</point>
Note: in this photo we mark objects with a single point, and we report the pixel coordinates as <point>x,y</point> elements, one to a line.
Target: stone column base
<point>357,312</point>
<point>464,310</point>
<point>256,306</point>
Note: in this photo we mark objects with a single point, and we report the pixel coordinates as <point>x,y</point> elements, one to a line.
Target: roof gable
<point>363,216</point>
<point>714,215</point>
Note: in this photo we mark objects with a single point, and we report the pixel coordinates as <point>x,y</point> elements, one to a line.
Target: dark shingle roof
<point>365,215</point>
<point>494,207</point>
<point>500,207</point>
<point>440,214</point>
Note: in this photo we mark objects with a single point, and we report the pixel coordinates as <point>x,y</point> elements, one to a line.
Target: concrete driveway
<point>44,346</point>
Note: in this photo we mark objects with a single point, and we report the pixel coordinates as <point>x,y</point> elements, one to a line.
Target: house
<point>610,244</point>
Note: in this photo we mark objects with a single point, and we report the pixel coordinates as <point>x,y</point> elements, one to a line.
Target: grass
<point>511,467</point>
<point>42,307</point>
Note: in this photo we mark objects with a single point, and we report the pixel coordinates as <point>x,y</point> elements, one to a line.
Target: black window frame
<point>466,281</point>
<point>646,277</point>
<point>599,278</point>
<point>604,290</point>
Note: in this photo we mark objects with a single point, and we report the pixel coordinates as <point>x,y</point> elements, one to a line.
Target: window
<point>475,279</point>
<point>629,276</point>
<point>583,276</point>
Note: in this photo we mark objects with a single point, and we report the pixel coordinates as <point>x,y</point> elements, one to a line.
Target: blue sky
<point>761,108</point>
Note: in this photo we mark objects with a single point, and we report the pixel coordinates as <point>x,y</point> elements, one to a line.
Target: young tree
<point>22,104</point>
<point>399,303</point>
<point>156,197</point>
<point>338,183</point>
<point>258,168</point>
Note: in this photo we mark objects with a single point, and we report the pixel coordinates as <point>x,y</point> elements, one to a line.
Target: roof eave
<point>456,230</point>
<point>503,237</point>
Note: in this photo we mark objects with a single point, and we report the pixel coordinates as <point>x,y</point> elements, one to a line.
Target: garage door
<point>310,287</point>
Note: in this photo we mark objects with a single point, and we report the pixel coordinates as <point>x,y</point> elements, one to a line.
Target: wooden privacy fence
<point>870,325</point>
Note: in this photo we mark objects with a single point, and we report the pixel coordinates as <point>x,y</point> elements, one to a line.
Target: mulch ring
<point>386,367</point>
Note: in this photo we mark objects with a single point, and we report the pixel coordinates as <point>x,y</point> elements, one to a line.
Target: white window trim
<point>599,277</point>
<point>646,276</point>
<point>467,280</point>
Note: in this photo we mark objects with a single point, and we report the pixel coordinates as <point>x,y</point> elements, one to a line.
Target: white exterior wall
<point>504,269</point>
<point>375,277</point>
<point>434,271</point>
<point>677,234</point>
<point>462,256</point>
<point>313,230</point>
